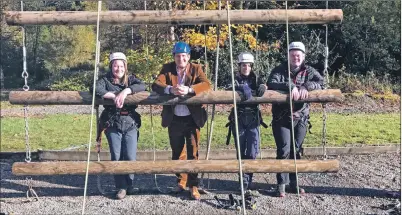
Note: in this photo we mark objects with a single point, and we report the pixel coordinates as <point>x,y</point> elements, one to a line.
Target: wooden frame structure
<point>188,17</point>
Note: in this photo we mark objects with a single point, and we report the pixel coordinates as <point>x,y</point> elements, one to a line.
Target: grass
<point>7,105</point>
<point>56,132</point>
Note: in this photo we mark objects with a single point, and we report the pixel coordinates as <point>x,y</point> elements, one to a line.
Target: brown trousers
<point>184,137</point>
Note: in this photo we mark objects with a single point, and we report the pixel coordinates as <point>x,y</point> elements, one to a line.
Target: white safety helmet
<point>245,57</point>
<point>117,56</point>
<point>297,46</point>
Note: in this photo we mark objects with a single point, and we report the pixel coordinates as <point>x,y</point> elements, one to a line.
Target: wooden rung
<point>176,166</point>
<point>184,17</point>
<point>146,98</point>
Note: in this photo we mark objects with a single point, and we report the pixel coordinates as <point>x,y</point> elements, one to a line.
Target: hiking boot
<point>121,194</point>
<point>181,186</point>
<point>194,193</point>
<point>281,190</point>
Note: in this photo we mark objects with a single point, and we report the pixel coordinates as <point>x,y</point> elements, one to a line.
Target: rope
<point>258,76</point>
<point>291,107</point>
<point>93,102</point>
<point>211,128</point>
<point>150,106</point>
<point>324,105</point>
<point>235,110</point>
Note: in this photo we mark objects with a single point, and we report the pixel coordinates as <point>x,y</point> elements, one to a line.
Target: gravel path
<point>360,187</point>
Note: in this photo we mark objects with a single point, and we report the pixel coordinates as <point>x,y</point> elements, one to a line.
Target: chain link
<point>27,145</point>
<point>324,105</point>
<point>31,194</point>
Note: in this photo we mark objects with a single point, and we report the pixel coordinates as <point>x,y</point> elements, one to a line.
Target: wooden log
<point>181,17</point>
<point>176,166</point>
<point>146,98</point>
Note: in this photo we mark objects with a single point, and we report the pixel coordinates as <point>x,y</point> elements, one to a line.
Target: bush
<point>78,81</point>
<point>370,83</point>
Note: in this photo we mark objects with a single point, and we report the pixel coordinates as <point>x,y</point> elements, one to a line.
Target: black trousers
<point>284,144</point>
<point>184,137</point>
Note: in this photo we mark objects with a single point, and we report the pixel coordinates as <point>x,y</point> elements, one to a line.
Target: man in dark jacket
<point>180,78</point>
<point>303,79</point>
<point>249,116</point>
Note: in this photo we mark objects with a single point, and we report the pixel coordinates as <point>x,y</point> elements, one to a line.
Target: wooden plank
<point>170,167</point>
<point>147,98</point>
<point>180,17</point>
<point>226,154</point>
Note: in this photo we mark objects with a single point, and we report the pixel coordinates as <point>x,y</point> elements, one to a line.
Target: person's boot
<point>181,186</point>
<point>194,193</point>
<point>293,189</point>
<point>121,194</point>
<point>281,190</point>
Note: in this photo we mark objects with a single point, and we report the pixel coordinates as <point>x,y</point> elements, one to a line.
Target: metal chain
<point>324,105</point>
<point>27,145</point>
<point>25,88</point>
<point>31,194</point>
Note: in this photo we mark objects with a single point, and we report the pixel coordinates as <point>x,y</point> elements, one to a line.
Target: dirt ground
<point>360,187</point>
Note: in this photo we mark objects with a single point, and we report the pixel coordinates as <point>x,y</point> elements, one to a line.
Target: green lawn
<point>58,132</point>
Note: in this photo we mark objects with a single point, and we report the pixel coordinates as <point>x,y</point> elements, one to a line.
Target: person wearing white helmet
<point>249,116</point>
<point>120,122</point>
<point>181,78</point>
<point>304,78</point>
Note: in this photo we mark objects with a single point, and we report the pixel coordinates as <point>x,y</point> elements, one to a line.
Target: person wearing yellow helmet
<point>120,122</point>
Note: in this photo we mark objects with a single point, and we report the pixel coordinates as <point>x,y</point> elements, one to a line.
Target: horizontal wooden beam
<point>173,166</point>
<point>147,98</point>
<point>184,17</point>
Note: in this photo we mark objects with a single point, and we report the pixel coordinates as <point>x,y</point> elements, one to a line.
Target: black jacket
<point>307,77</point>
<point>111,114</point>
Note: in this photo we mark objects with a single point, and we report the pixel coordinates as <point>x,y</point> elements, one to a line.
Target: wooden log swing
<point>187,17</point>
<point>147,98</point>
<point>174,166</point>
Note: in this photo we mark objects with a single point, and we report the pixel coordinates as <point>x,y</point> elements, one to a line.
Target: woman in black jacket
<point>120,122</point>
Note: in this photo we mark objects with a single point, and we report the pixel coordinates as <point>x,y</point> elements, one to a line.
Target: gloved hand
<point>246,91</point>
<point>261,90</point>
